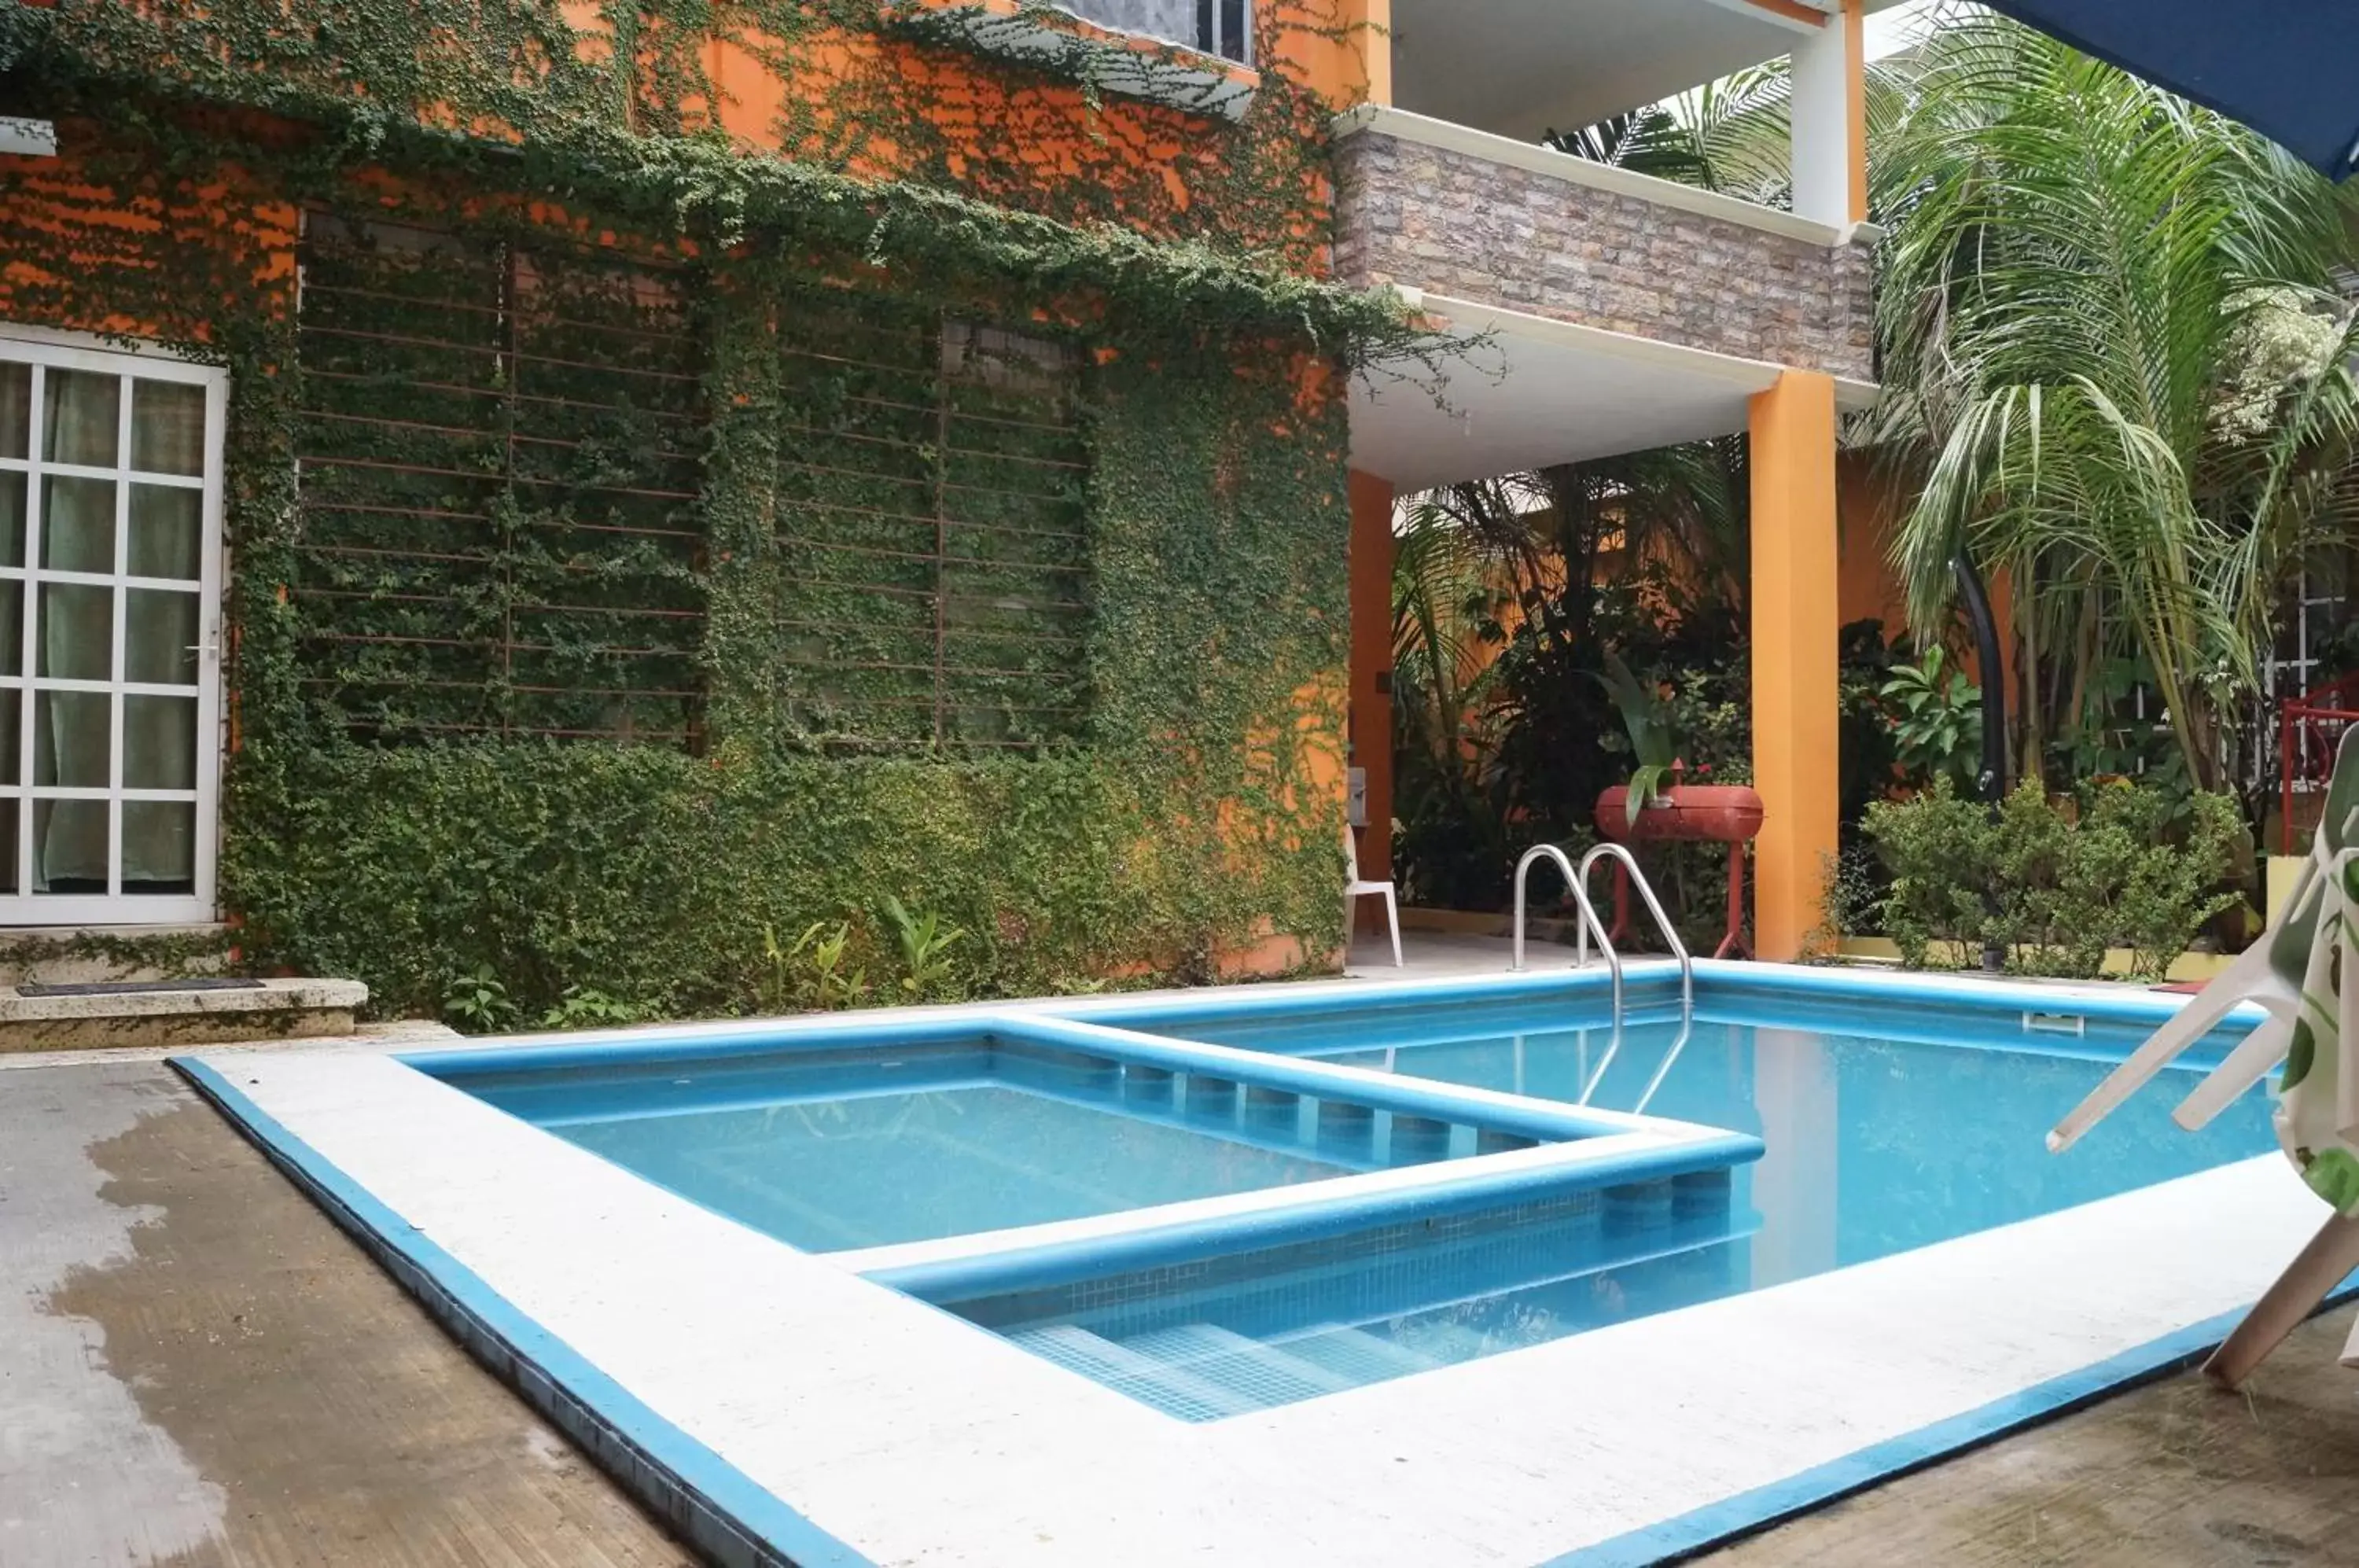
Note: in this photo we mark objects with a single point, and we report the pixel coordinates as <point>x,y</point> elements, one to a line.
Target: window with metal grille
<point>1223,28</point>
<point>498,482</point>
<point>932,528</point>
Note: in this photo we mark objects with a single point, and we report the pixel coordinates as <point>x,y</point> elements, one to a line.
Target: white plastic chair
<point>1356,886</point>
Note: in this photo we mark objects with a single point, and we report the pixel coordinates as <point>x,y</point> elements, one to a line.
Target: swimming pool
<point>1426,1271</point>
<point>1875,1145</point>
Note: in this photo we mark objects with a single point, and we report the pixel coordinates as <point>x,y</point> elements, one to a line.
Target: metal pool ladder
<point>1576,881</point>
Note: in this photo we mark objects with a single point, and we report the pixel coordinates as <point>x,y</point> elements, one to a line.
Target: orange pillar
<point>1370,711</point>
<point>1795,582</point>
<point>1347,58</point>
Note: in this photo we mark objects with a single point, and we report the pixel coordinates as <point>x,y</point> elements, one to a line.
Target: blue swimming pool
<point>1875,1144</point>
<point>1388,1214</point>
<point>941,1161</point>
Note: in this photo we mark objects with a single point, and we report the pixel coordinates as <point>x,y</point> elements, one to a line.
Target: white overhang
<point>1523,67</point>
<point>1531,390</point>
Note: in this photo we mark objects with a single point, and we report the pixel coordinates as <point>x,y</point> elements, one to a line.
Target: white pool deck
<point>915,1438</point>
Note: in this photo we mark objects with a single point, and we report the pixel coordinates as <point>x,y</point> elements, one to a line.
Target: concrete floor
<point>2174,1474</point>
<point>197,1371</point>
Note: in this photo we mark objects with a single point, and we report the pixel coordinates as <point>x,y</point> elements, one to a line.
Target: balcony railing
<point>1220,27</point>
<point>1112,44</point>
<point>1459,214</point>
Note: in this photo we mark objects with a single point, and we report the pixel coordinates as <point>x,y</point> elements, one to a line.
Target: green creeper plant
<point>364,836</point>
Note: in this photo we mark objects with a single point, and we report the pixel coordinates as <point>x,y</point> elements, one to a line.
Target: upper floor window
<point>1210,73</point>
<point>1213,27</point>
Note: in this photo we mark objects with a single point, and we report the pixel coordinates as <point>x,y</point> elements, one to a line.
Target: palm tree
<point>1728,135</point>
<point>2111,338</point>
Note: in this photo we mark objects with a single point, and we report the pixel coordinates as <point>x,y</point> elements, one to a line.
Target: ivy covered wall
<point>1194,809</point>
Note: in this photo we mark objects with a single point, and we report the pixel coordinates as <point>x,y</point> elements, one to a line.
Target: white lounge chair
<point>1356,886</point>
<point>2292,976</point>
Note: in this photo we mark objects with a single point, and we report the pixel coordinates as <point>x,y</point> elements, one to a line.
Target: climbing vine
<point>428,780</point>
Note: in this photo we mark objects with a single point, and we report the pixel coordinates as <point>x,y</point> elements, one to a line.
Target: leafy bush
<point>2055,883</point>
<point>586,1006</point>
<point>1936,719</point>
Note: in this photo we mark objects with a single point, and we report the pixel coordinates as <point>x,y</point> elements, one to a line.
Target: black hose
<point>1990,782</point>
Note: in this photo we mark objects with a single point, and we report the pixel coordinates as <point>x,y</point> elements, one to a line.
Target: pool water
<point>1875,1146</point>
<point>839,1151</point>
<point>855,1173</point>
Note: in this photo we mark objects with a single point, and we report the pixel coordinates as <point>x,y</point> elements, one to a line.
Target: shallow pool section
<point>862,1148</point>
<point>872,1145</point>
<point>1255,1329</point>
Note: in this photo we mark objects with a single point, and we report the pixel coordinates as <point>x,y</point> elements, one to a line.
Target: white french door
<point>110,632</point>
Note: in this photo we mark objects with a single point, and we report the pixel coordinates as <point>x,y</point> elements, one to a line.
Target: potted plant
<point>1656,804</point>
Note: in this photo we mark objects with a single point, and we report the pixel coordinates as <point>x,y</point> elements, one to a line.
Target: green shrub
<point>2054,884</point>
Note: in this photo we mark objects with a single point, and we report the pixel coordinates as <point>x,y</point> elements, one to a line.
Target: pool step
<point>1357,1356</point>
<point>1262,1373</point>
<point>1172,1389</point>
<point>1199,1372</point>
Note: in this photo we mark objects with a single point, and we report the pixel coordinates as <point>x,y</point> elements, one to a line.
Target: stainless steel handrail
<point>1654,906</point>
<point>1576,882</point>
<point>1589,920</point>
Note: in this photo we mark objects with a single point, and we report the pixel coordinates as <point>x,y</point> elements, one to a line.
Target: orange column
<point>1796,581</point>
<point>1371,713</point>
<point>1345,57</point>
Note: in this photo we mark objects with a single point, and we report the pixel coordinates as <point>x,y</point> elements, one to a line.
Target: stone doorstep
<point>63,955</point>
<point>278,1009</point>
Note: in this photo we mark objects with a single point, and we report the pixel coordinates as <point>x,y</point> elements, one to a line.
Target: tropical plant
<point>1728,135</point>
<point>1647,720</point>
<point>815,972</point>
<point>478,1002</point>
<point>1936,716</point>
<point>2113,344</point>
<point>586,1006</point>
<point>1454,564</point>
<point>924,943</point>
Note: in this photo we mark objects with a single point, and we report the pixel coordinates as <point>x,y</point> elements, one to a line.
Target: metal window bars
<point>932,521</point>
<point>497,482</point>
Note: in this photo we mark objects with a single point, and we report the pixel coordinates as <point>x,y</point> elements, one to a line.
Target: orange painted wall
<point>1868,507</point>
<point>1025,140</point>
<point>1871,504</point>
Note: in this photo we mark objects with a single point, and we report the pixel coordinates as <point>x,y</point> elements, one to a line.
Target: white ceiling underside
<point>1533,392</point>
<point>1519,68</point>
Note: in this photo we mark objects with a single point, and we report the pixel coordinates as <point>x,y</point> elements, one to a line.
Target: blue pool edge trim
<point>1763,1508</point>
<point>718,1508</point>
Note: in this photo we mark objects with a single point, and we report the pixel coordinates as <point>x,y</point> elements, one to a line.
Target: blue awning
<point>2289,69</point>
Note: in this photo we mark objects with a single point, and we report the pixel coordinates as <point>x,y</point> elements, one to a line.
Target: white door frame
<point>20,906</point>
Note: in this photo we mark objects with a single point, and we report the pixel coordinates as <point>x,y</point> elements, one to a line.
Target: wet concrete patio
<point>197,1369</point>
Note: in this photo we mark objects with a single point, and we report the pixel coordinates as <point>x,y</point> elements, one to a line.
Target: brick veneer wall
<point>1456,224</point>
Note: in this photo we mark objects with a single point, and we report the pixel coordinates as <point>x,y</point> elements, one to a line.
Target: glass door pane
<point>108,489</point>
